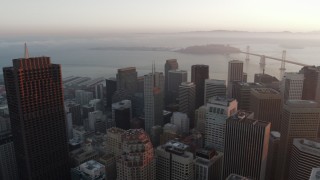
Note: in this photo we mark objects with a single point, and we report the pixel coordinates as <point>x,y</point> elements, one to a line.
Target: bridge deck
<point>277,59</point>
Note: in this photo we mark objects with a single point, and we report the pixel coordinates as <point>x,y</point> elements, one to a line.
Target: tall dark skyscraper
<point>235,74</point>
<point>35,101</point>
<point>171,64</point>
<point>111,87</point>
<point>246,146</point>
<point>199,73</point>
<point>127,79</point>
<point>310,83</point>
<point>176,77</point>
<point>300,119</point>
<point>265,103</point>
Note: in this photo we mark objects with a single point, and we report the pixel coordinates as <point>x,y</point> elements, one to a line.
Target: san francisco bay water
<point>102,55</point>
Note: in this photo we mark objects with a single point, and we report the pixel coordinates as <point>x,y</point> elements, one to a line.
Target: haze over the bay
<point>36,17</point>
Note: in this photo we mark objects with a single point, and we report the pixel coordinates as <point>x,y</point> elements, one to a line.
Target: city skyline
<point>52,17</point>
<point>153,90</point>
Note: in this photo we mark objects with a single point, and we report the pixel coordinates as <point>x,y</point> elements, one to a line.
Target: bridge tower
<point>247,54</point>
<point>283,64</point>
<point>263,62</point>
<point>26,51</point>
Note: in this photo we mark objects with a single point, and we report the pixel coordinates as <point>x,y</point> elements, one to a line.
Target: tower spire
<point>26,51</point>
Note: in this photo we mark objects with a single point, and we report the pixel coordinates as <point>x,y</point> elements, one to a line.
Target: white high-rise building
<point>182,122</point>
<point>214,87</point>
<point>218,110</point>
<point>153,99</point>
<point>291,86</point>
<point>174,161</point>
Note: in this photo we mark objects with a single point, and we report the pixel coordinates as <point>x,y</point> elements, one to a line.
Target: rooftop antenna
<point>152,68</point>
<point>153,73</point>
<point>26,51</point>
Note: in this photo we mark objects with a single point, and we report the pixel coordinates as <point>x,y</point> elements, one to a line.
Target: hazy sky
<point>78,16</point>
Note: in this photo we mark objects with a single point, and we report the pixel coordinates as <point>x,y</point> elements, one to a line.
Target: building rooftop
<point>275,134</point>
<point>126,69</point>
<point>93,169</point>
<point>115,130</point>
<point>235,61</point>
<point>315,174</point>
<point>178,71</point>
<point>308,146</point>
<point>216,81</point>
<point>236,177</point>
<point>175,147</point>
<point>265,91</point>
<point>122,104</point>
<point>302,103</point>
<point>220,100</point>
<point>171,60</point>
<point>246,117</point>
<point>166,112</point>
<point>206,153</point>
<point>187,84</point>
<point>250,84</point>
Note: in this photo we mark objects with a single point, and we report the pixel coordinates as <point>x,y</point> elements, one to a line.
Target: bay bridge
<point>263,58</point>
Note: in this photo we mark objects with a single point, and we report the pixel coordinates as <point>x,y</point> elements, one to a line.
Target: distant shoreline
<point>209,49</point>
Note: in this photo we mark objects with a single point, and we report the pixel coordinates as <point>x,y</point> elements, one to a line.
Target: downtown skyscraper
<point>235,74</point>
<point>187,100</point>
<point>153,99</point>
<point>266,105</point>
<point>300,119</point>
<point>246,146</point>
<point>137,161</point>
<point>171,64</point>
<point>218,110</point>
<point>35,100</point>
<point>199,73</point>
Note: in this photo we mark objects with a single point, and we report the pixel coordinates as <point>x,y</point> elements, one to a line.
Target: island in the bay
<point>210,49</point>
